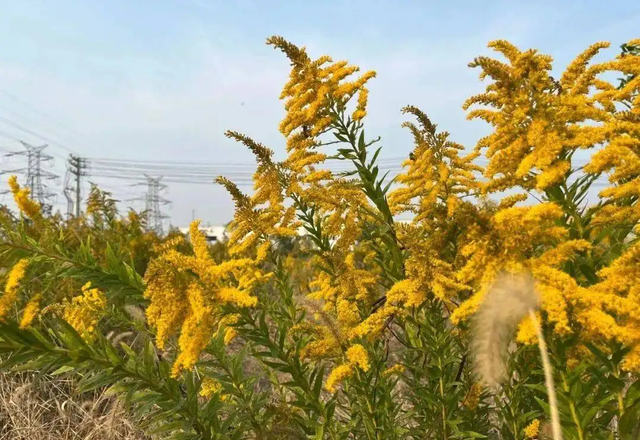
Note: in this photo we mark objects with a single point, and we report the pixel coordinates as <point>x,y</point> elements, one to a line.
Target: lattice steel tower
<point>36,176</point>
<point>153,200</point>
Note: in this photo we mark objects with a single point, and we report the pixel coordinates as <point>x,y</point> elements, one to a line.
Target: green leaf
<point>629,422</point>
<point>317,386</point>
<point>167,427</point>
<point>62,370</point>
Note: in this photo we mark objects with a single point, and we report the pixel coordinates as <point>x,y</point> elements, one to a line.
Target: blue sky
<point>163,80</point>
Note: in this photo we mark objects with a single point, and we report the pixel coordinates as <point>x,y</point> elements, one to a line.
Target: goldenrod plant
<point>507,307</point>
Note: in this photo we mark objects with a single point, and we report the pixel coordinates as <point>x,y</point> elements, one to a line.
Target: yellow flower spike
<point>31,311</point>
<point>361,110</point>
<point>26,205</point>
<point>199,242</point>
<point>314,89</point>
<point>347,312</point>
<point>527,332</point>
<point>533,429</point>
<point>197,329</point>
<point>373,326</point>
<point>230,334</point>
<point>168,304</point>
<point>323,347</point>
<point>235,296</point>
<point>263,251</point>
<point>209,387</point>
<point>473,397</point>
<point>357,355</point>
<point>337,376</point>
<point>84,311</point>
<point>529,145</point>
<point>397,369</point>
<point>10,296</point>
<point>610,309</point>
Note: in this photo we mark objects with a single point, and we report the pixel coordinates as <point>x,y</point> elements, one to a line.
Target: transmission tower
<point>153,201</point>
<point>36,176</point>
<point>76,169</point>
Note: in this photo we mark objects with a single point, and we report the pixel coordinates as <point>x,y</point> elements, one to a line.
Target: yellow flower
<point>236,296</point>
<point>25,204</point>
<point>406,292</point>
<point>209,387</point>
<point>84,311</point>
<point>436,177</point>
<point>610,309</point>
<point>539,122</point>
<point>316,90</point>
<point>510,241</point>
<point>347,312</point>
<point>323,347</point>
<point>196,330</point>
<point>361,110</point>
<point>527,331</point>
<point>167,308</point>
<point>230,334</point>
<point>357,355</point>
<point>30,311</point>
<point>533,429</point>
<point>473,397</point>
<point>16,274</point>
<point>313,85</point>
<point>199,242</point>
<point>397,369</point>
<point>337,376</point>
<point>224,326</point>
<point>375,323</point>
<point>254,221</point>
<point>187,293</point>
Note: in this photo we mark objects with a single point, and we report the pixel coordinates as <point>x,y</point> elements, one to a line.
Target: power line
<point>242,164</point>
<point>31,121</point>
<point>6,135</point>
<point>35,134</point>
<point>43,114</point>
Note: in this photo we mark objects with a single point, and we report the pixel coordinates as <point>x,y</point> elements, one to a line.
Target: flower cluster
<point>84,311</point>
<point>190,292</point>
<point>26,205</point>
<point>356,357</point>
<point>540,122</point>
<point>11,286</point>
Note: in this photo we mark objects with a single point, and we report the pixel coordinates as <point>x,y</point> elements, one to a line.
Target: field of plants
<point>507,308</point>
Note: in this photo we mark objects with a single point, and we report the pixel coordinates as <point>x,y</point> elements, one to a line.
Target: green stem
<point>572,407</point>
<point>442,400</point>
<point>548,377</point>
<point>373,190</point>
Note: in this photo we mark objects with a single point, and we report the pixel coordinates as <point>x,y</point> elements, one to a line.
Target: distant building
<point>212,233</point>
<point>219,233</point>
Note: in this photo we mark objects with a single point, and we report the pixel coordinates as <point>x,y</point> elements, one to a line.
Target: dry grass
<point>46,408</point>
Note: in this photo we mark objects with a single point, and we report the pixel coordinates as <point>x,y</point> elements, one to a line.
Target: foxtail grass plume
<point>508,301</point>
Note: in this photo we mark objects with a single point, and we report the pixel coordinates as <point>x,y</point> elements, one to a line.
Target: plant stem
<point>548,379</point>
<point>444,409</point>
<point>574,413</point>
